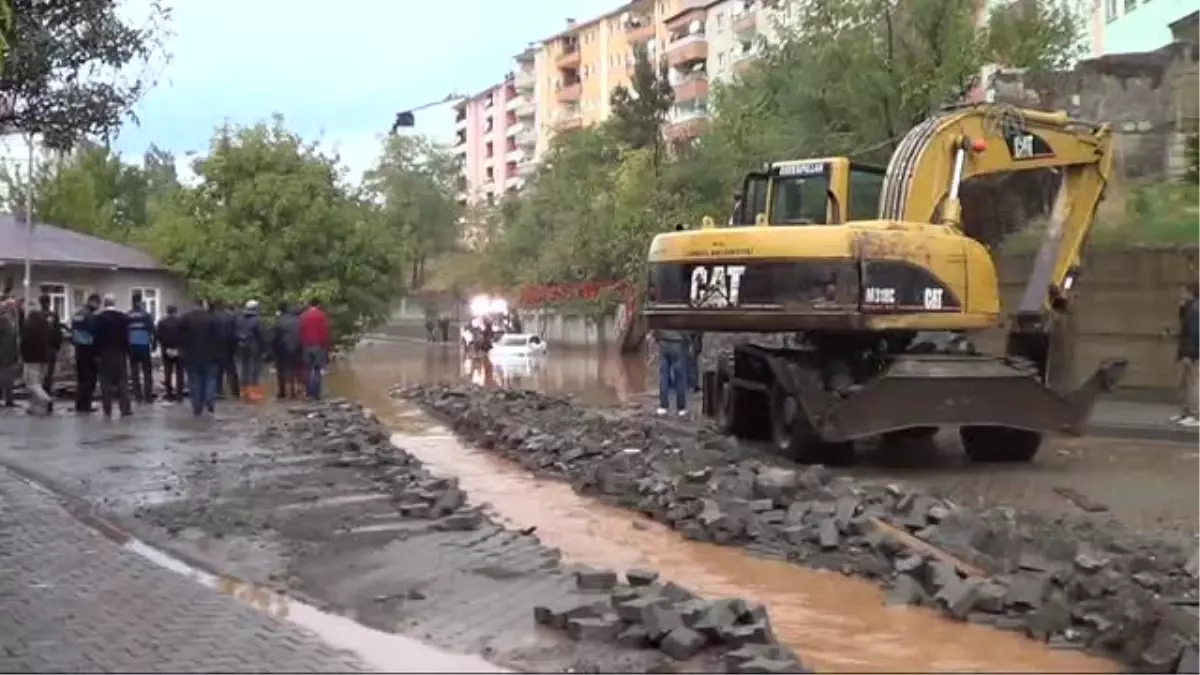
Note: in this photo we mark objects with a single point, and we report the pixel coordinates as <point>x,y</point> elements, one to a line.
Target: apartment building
<point>581,66</point>
<point>1127,26</point>
<point>707,42</point>
<point>496,136</point>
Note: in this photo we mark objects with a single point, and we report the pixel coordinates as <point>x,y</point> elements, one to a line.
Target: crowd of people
<point>205,352</point>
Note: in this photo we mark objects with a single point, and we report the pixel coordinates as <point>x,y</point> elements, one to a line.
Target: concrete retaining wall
<point>566,330</point>
<point>1126,306</point>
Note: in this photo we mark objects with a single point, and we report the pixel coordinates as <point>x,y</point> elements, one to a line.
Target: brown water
<point>838,624</point>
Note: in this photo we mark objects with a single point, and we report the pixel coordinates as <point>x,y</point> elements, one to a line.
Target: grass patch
<point>1159,214</point>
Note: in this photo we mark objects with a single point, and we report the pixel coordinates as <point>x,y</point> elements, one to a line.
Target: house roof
<point>58,246</point>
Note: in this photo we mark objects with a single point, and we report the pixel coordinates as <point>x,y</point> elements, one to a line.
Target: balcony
<point>746,23</point>
<point>569,57</point>
<point>526,169</point>
<point>687,128</point>
<point>568,121</point>
<point>515,102</point>
<point>513,182</point>
<point>691,88</point>
<point>570,93</point>
<point>686,50</point>
<point>460,119</point>
<point>514,154</point>
<point>524,81</point>
<point>527,138</point>
<point>527,110</point>
<point>640,29</point>
<point>679,23</point>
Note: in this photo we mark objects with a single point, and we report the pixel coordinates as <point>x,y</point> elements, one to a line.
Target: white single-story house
<point>69,266</point>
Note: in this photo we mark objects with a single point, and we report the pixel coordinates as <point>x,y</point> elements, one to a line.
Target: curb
<point>1145,433</point>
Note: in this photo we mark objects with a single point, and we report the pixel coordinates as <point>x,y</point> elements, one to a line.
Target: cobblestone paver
<point>72,600</point>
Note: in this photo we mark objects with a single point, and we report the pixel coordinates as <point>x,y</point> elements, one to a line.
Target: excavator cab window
<point>753,202</point>
<point>800,200</point>
<point>866,184</point>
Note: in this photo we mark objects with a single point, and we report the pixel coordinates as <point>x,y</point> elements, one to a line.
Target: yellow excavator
<point>861,263</point>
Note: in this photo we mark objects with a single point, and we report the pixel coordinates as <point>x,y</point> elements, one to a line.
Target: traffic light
<point>403,120</point>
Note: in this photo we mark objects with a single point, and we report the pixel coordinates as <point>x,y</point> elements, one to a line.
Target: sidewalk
<point>72,600</point>
<point>1135,420</point>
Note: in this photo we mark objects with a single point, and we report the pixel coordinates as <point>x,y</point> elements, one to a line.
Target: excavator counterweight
<point>870,270</point>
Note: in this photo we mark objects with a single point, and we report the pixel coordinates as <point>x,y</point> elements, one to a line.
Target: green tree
<point>66,73</point>
<point>415,180</point>
<point>639,112</point>
<point>91,190</point>
<point>854,75</point>
<point>271,220</point>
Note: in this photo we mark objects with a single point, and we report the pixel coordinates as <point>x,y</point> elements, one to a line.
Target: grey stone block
<point>602,629</point>
<point>682,643</point>
<point>595,580</point>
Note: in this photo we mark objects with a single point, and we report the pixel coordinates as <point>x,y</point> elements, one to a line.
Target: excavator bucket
<point>956,390</point>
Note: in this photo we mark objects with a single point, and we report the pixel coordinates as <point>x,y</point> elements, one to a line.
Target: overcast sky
<point>335,70</point>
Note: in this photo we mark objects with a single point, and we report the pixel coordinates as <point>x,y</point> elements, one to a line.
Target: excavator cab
<point>826,191</point>
<point>856,262</point>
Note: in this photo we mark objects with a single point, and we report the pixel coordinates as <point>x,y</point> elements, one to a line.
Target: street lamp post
<point>29,226</point>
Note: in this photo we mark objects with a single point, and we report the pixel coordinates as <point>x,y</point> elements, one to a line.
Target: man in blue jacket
<point>83,340</point>
<point>141,347</point>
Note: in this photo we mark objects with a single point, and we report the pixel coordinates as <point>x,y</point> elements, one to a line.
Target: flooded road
<point>837,623</point>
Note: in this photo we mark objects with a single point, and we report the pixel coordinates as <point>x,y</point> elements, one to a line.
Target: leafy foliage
<point>415,180</point>
<point>269,217</point>
<point>66,73</point>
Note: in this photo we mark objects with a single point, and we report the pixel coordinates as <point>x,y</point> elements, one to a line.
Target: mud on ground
<point>323,507</point>
<point>1073,580</point>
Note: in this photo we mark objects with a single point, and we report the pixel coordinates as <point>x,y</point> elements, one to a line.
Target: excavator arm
<point>989,140</point>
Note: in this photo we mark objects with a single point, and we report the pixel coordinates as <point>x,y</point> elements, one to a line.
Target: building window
<point>721,21</point>
<point>79,295</point>
<point>58,298</point>
<point>1110,10</point>
<point>149,299</point>
<point>489,174</point>
<point>721,60</point>
<point>1130,5</point>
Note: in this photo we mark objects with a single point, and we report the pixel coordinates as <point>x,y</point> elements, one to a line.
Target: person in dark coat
<point>202,344</point>
<point>10,347</point>
<point>55,344</point>
<point>226,322</point>
<point>1188,353</point>
<point>39,335</point>
<point>169,332</point>
<point>112,348</point>
<point>285,347</point>
<point>141,349</point>
<point>83,340</point>
<point>251,348</point>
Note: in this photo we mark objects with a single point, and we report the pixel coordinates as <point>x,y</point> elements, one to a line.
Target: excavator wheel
<point>792,435</point>
<point>999,444</point>
<point>736,414</point>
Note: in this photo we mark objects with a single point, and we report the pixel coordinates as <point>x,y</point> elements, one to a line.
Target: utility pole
<point>29,226</point>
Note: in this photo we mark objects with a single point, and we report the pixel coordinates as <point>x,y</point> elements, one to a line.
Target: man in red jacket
<point>314,343</point>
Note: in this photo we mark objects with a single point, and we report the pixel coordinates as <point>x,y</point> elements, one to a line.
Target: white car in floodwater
<point>518,344</point>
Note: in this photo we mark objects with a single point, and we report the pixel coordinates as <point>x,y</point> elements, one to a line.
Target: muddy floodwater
<point>836,623</point>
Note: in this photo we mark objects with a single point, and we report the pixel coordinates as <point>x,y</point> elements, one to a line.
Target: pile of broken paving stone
<point>640,614</point>
<point>351,436</point>
<point>645,614</point>
<point>1067,581</point>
